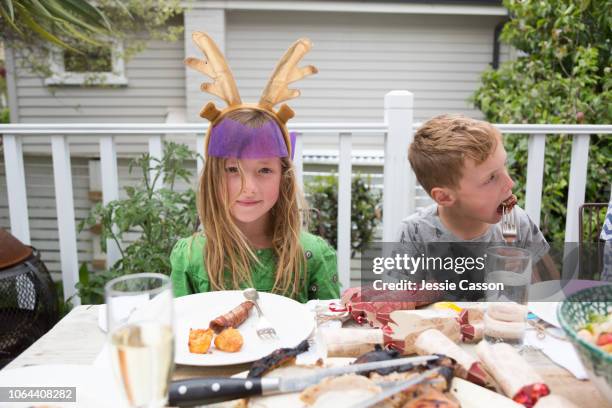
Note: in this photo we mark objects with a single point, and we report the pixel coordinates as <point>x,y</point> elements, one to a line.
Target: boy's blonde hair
<point>437,154</point>
<point>228,256</point>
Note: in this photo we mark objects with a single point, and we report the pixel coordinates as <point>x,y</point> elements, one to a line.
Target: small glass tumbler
<point>509,270</point>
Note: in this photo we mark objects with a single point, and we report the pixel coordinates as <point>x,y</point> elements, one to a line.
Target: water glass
<point>139,316</point>
<point>505,319</point>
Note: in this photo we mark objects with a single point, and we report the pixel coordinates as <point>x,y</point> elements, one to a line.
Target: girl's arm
<point>322,271</point>
<point>179,259</point>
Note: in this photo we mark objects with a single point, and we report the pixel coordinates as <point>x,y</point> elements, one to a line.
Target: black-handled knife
<point>200,391</point>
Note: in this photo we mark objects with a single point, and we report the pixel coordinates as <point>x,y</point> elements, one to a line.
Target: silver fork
<point>508,224</point>
<point>264,328</point>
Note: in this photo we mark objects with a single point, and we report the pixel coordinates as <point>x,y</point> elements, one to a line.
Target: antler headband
<point>224,86</point>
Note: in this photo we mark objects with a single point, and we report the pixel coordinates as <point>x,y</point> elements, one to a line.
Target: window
<point>97,66</point>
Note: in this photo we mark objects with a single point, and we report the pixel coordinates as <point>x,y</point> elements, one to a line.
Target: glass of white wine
<point>139,314</point>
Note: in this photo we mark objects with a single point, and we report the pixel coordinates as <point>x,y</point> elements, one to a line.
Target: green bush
<point>322,195</point>
<point>561,76</point>
<point>5,115</point>
<point>162,216</point>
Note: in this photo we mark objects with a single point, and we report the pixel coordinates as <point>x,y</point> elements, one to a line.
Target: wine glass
<point>139,315</point>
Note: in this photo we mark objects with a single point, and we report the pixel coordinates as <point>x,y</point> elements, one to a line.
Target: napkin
<point>559,351</point>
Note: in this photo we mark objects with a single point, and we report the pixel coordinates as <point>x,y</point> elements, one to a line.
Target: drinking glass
<point>510,269</point>
<point>139,315</point>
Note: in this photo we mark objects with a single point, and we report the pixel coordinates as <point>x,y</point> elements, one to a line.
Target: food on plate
<point>406,325</point>
<point>352,388</point>
<point>503,330</point>
<point>471,395</point>
<point>471,321</point>
<point>381,355</point>
<point>507,311</point>
<point>278,358</point>
<point>233,318</point>
<point>351,342</point>
<point>598,331</point>
<point>516,378</point>
<point>508,204</point>
<point>435,342</point>
<point>199,340</point>
<point>345,390</point>
<point>229,340</point>
<point>429,397</point>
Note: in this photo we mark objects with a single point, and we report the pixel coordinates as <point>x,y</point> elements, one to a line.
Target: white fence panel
<point>62,175</point>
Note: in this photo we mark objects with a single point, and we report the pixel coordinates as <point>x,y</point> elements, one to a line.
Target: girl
<point>248,198</point>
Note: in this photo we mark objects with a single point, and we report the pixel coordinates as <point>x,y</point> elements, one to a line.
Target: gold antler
<point>286,72</point>
<point>223,85</point>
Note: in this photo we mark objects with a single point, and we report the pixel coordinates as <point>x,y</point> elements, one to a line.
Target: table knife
<point>208,390</point>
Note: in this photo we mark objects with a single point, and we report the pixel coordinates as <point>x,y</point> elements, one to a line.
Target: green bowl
<point>573,314</point>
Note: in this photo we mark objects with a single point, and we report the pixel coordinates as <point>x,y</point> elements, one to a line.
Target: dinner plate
<point>292,320</point>
<point>95,387</point>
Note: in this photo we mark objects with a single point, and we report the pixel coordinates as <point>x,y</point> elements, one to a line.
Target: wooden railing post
<point>156,150</point>
<point>577,184</point>
<point>399,183</point>
<point>64,201</point>
<point>16,188</point>
<point>110,189</point>
<point>535,174</point>
<point>298,160</point>
<point>344,210</point>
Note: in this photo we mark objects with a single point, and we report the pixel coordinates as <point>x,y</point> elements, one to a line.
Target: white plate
<point>95,387</point>
<point>292,321</point>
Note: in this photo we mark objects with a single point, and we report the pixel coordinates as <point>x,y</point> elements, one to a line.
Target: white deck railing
<point>399,181</point>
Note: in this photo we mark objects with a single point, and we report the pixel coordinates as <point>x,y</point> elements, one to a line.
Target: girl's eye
<point>265,170</point>
<point>231,169</point>
<point>491,178</point>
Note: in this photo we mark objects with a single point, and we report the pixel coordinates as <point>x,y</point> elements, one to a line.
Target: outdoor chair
<point>28,301</point>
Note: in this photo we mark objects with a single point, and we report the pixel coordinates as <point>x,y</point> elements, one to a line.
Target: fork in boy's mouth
<point>508,203</point>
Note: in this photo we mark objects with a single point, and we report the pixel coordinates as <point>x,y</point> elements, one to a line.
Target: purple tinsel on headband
<point>231,138</point>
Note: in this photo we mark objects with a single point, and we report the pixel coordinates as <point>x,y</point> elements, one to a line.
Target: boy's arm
<point>531,238</point>
<point>545,269</point>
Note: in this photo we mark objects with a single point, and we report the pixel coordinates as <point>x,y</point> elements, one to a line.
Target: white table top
<point>77,339</point>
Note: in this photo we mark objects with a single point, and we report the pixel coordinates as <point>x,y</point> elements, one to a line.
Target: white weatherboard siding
<point>361,57</point>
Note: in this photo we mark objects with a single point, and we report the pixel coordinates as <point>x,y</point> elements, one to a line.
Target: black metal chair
<point>590,247</point>
<point>28,300</point>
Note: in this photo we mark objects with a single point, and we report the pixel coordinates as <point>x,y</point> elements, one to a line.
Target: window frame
<point>60,76</point>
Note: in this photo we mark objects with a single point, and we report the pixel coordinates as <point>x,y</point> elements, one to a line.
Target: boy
<point>461,163</point>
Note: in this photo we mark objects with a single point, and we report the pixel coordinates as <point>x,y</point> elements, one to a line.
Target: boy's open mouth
<point>508,203</point>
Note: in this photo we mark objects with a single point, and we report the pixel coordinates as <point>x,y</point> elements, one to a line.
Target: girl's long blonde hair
<point>228,256</point>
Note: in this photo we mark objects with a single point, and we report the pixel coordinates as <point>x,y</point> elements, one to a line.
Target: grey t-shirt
<point>425,226</point>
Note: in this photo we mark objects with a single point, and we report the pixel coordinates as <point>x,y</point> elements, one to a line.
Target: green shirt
<point>189,272</point>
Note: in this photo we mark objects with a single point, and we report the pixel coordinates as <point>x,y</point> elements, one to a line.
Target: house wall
<point>360,58</point>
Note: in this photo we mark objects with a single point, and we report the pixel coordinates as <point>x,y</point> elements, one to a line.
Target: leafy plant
<point>84,26</point>
<point>322,194</point>
<point>160,216</point>
<point>561,76</point>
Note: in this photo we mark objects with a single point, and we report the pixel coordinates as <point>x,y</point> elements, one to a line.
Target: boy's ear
<point>443,196</point>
